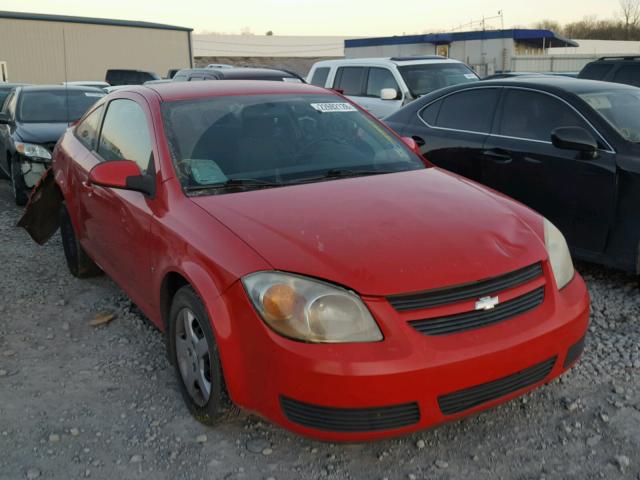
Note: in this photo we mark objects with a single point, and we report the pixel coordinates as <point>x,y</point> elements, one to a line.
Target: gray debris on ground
<point>77,400</point>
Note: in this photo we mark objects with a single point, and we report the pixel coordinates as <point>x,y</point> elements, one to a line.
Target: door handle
<point>419,140</point>
<point>497,155</point>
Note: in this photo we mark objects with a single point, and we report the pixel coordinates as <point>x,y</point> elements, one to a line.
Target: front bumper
<point>409,381</point>
<point>32,169</point>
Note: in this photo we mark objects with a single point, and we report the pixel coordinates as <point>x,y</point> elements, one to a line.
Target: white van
<point>383,85</point>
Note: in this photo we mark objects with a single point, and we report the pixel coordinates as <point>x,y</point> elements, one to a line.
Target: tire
<point>20,190</point>
<point>3,174</point>
<point>194,353</point>
<point>78,262</point>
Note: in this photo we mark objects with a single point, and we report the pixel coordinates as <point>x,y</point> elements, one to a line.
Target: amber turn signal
<point>279,301</point>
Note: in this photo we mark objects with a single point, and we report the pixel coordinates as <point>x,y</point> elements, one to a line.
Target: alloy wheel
<point>193,357</point>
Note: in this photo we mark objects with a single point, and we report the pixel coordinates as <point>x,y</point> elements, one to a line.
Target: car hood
<point>40,132</point>
<point>385,234</point>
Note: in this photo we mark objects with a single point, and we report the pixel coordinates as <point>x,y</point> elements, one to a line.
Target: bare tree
<point>552,25</point>
<point>630,11</point>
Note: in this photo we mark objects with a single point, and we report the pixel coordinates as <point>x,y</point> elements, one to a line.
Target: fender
<point>227,338</point>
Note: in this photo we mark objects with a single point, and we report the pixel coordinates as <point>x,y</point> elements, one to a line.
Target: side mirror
<point>122,174</point>
<point>388,94</point>
<point>412,144</point>
<point>575,138</point>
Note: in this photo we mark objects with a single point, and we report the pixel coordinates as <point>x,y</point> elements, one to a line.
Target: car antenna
<point>66,80</point>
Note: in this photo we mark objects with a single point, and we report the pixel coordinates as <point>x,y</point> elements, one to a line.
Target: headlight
<point>32,150</point>
<point>310,310</point>
<point>559,255</point>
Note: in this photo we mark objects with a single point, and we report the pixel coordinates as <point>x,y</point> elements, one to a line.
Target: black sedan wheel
<point>79,263</point>
<point>20,190</point>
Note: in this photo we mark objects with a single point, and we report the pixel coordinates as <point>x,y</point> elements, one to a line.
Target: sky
<point>324,17</point>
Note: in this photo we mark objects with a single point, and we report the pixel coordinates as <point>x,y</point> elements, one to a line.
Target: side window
<point>349,80</point>
<point>430,113</point>
<point>628,74</point>
<point>470,110</point>
<point>595,71</point>
<point>125,134</point>
<point>320,76</point>
<point>534,115</point>
<point>87,130</point>
<point>380,78</point>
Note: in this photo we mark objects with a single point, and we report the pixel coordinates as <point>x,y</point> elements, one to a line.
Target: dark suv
<point>623,69</point>
<point>123,76</point>
<point>236,73</point>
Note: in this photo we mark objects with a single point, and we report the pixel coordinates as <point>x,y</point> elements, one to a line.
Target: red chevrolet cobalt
<point>306,264</point>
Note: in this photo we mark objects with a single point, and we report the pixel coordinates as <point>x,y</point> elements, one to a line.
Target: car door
<point>451,131</point>
<point>377,79</point>
<point>117,222</point>
<point>575,193</point>
<point>351,81</point>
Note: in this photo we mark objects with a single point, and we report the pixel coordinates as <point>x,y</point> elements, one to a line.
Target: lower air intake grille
<point>574,352</point>
<point>480,318</point>
<point>462,400</point>
<point>350,419</point>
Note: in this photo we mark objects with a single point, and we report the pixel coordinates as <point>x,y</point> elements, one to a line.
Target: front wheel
<point>194,354</point>
<point>20,190</point>
<point>79,263</point>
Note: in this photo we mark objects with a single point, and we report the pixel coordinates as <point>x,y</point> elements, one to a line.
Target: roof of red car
<point>172,91</point>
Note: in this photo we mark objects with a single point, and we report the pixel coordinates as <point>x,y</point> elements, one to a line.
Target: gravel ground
<point>102,402</point>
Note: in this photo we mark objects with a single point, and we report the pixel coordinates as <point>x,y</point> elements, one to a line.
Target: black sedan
<point>568,148</point>
<point>31,121</point>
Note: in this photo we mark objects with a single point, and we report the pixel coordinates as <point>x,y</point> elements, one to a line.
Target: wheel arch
<point>195,276</point>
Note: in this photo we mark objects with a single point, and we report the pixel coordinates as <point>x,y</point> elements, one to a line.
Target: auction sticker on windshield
<point>334,107</point>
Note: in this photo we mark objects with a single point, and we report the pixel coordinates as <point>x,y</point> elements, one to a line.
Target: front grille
<point>574,352</point>
<point>350,419</point>
<point>480,318</point>
<point>49,146</point>
<point>462,400</point>
<point>443,296</point>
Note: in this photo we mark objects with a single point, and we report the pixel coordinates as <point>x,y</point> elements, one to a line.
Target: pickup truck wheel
<point>79,263</point>
<point>194,354</point>
<point>20,190</point>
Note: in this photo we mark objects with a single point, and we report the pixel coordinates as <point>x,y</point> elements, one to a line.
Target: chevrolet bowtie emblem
<point>487,303</point>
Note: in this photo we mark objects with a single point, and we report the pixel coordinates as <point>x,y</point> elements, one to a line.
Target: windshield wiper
<point>342,173</point>
<point>234,183</point>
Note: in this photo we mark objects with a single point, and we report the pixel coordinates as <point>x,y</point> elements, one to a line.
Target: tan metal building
<point>54,48</point>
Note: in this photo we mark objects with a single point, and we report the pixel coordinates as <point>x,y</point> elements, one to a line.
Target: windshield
<point>621,108</point>
<point>426,78</point>
<point>276,140</point>
<point>52,106</point>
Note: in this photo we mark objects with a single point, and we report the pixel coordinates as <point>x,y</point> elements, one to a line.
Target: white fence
<point>551,63</point>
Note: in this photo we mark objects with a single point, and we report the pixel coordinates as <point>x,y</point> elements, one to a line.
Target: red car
<point>306,264</point>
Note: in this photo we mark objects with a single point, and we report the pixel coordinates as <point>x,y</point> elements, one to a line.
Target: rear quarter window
<point>469,110</point>
<point>319,77</point>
